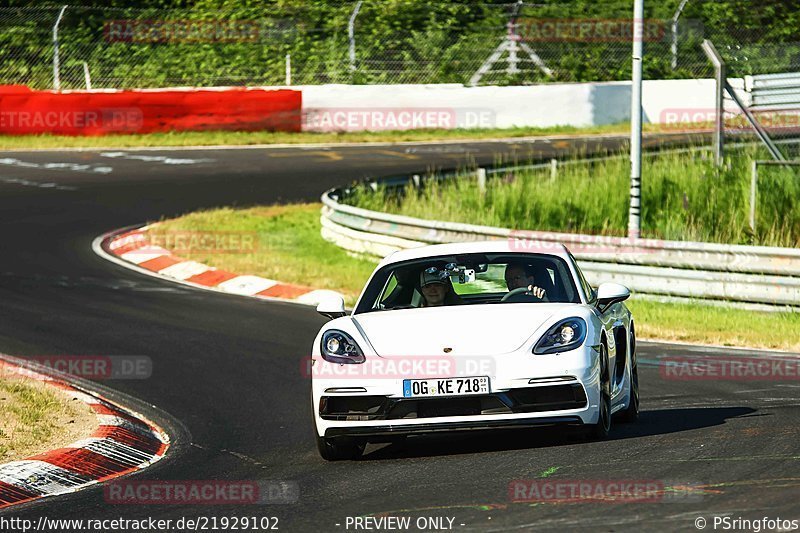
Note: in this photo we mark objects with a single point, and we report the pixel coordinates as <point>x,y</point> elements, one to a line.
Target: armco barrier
<point>24,111</point>
<point>751,274</point>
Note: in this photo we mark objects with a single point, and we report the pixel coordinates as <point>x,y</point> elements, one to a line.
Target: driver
<point>519,275</point>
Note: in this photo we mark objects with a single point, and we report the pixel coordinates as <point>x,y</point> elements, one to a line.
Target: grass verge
<point>35,418</point>
<point>240,138</point>
<point>709,324</point>
<point>289,248</point>
<point>684,197</point>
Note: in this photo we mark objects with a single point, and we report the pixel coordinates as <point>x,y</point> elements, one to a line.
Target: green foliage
<point>397,41</point>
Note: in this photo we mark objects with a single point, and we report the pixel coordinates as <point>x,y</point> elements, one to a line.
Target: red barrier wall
<point>23,111</point>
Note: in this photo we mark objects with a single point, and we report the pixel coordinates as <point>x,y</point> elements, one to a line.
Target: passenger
<point>519,275</point>
<point>436,288</point>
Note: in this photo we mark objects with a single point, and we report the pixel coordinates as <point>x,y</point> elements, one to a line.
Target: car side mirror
<point>331,306</point>
<point>610,293</point>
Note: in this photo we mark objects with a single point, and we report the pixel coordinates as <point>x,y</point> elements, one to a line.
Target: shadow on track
<point>658,422</point>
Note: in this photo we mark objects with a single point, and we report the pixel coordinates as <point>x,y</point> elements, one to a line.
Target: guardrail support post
<point>753,185</point>
<point>553,169</point>
<point>481,180</point>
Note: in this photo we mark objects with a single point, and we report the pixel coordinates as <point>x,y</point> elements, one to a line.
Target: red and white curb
<point>124,442</point>
<point>134,250</point>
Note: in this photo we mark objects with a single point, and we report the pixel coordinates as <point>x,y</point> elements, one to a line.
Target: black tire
<point>631,413</point>
<point>601,429</point>
<point>340,448</point>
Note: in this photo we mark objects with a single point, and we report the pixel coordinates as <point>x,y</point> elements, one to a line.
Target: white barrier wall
<point>384,107</point>
<point>663,100</point>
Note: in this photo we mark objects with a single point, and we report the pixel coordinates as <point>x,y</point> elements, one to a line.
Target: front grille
<point>553,398</point>
<point>353,407</point>
<point>526,400</point>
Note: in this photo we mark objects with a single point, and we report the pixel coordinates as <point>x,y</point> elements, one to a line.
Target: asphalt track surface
<point>228,368</point>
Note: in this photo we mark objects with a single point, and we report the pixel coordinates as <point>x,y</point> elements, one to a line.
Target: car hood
<point>467,330</point>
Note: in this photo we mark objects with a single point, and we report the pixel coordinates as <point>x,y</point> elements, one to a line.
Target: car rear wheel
<point>601,429</point>
<point>631,413</point>
<point>340,448</point>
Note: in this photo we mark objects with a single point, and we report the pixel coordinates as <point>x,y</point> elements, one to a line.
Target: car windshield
<point>470,279</point>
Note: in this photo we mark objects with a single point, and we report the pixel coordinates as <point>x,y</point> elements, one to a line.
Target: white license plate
<point>413,388</point>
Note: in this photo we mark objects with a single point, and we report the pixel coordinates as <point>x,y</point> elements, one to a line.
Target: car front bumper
<point>525,391</point>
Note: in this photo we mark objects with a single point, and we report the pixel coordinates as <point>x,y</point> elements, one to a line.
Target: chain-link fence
<point>380,41</point>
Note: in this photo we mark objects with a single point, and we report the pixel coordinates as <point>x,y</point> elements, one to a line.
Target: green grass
<point>240,138</point>
<point>288,247</point>
<point>708,324</point>
<point>684,197</point>
<point>291,249</point>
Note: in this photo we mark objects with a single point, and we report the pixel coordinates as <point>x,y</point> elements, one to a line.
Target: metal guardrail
<point>734,273</point>
<point>773,91</point>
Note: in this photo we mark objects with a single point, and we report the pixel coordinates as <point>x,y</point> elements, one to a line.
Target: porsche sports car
<point>472,336</point>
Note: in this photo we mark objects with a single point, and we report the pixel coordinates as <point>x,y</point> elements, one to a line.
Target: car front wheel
<point>631,413</point>
<point>340,448</point>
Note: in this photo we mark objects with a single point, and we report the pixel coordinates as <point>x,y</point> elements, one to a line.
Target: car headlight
<point>339,347</point>
<point>565,335</point>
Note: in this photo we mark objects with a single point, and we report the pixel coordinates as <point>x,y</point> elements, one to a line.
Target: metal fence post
<point>56,65</point>
<point>634,209</point>
<point>674,47</point>
<point>719,120</point>
<point>288,69</point>
<point>86,77</point>
<point>351,34</point>
<point>760,131</point>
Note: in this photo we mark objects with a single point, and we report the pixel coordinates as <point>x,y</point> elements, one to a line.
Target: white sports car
<point>472,336</point>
